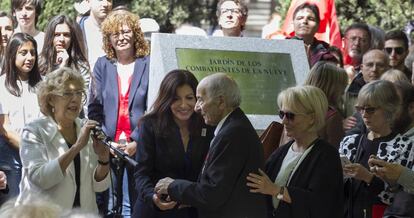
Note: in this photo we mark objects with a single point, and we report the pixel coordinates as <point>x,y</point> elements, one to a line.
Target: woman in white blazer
<point>60,159</point>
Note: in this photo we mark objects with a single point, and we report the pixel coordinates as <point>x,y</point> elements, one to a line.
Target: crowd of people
<point>346,149</point>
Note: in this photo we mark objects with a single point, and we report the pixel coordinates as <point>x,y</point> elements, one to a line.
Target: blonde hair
<point>308,100</point>
<point>55,82</point>
<point>394,75</point>
<point>38,208</point>
<point>113,23</point>
<point>331,79</point>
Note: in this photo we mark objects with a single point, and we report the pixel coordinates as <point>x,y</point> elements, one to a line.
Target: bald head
<point>374,64</point>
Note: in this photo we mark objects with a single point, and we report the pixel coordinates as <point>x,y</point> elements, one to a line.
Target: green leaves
<point>386,14</point>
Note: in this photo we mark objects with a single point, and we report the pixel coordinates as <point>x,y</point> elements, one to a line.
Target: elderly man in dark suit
<point>234,151</point>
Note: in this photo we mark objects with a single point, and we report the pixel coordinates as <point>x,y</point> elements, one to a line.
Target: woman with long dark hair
<point>18,102</point>
<point>68,48</point>
<point>173,142</point>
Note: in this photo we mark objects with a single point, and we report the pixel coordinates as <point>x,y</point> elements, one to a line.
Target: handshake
<point>161,197</point>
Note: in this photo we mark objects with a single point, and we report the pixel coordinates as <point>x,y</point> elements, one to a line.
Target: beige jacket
<point>41,145</point>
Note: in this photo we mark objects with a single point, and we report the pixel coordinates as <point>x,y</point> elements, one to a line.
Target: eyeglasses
<point>122,32</point>
<point>397,50</point>
<point>70,95</point>
<point>231,10</point>
<point>289,115</point>
<point>368,110</point>
<point>354,39</point>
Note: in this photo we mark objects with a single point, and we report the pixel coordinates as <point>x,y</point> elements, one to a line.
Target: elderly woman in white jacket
<point>60,159</point>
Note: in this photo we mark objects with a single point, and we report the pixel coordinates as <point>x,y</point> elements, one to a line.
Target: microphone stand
<point>118,161</point>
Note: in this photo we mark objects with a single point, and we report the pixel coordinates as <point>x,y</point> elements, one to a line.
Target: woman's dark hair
<point>76,50</point>
<point>166,95</point>
<point>9,65</point>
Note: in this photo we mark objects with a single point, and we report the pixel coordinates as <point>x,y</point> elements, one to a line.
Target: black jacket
<point>316,187</point>
<point>221,191</point>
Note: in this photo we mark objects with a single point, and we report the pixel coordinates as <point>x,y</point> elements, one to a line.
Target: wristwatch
<point>281,192</point>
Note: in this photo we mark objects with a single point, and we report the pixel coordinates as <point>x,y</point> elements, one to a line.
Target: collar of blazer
<point>58,142</point>
<point>139,68</point>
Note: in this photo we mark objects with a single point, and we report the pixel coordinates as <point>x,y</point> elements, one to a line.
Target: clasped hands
<point>161,197</point>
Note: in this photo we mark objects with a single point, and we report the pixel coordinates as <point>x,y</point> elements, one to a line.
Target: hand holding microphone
<point>99,135</point>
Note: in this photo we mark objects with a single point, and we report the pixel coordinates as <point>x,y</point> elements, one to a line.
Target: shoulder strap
<point>359,149</point>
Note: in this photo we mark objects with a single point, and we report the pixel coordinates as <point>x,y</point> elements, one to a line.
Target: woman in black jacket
<point>304,177</point>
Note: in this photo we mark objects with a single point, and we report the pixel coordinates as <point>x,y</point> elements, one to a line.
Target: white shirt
<point>290,163</point>
<point>220,124</point>
<point>40,39</point>
<point>125,72</point>
<point>21,110</point>
<point>93,37</point>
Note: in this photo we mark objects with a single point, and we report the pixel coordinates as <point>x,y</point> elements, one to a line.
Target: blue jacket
<point>103,95</point>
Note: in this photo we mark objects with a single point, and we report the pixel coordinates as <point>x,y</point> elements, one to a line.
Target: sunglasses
<point>368,110</point>
<point>289,115</point>
<point>397,50</point>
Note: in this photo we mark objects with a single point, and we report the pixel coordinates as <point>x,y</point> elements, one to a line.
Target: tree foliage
<point>53,8</point>
<point>385,14</point>
<point>172,13</point>
<point>50,8</point>
<point>168,13</point>
<point>5,5</point>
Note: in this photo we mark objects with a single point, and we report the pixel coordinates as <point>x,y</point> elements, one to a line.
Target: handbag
<point>270,138</point>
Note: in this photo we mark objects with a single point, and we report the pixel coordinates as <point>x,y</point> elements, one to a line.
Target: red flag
<point>328,27</point>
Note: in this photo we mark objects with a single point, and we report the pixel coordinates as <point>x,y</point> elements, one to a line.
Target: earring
<point>53,109</point>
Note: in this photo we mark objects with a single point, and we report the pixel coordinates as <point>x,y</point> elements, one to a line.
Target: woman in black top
<point>378,103</point>
<point>173,142</point>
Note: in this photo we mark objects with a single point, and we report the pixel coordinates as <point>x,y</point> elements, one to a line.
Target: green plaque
<point>260,76</point>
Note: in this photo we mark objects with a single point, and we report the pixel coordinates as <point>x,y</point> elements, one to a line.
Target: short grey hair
<point>382,94</point>
<point>55,82</point>
<point>220,84</point>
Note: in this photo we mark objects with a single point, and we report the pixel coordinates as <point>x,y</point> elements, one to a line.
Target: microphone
<point>99,134</point>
